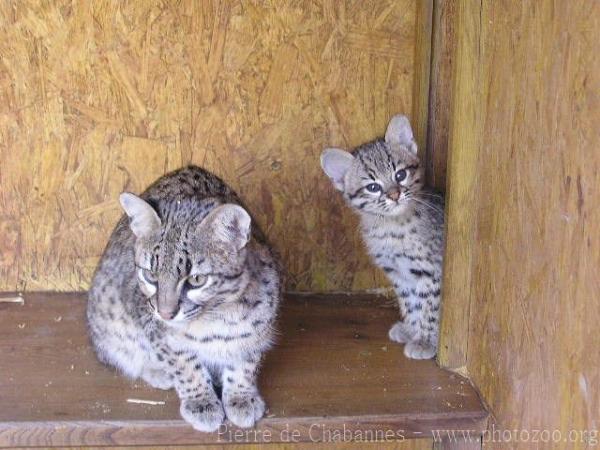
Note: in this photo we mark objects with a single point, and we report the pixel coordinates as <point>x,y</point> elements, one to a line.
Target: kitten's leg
<point>200,405</point>
<point>424,324</point>
<point>401,331</point>
<point>420,350</point>
<point>241,399</point>
<point>426,345</point>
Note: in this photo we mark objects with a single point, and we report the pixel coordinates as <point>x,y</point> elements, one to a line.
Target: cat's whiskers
<point>193,311</point>
<point>429,194</point>
<point>427,205</point>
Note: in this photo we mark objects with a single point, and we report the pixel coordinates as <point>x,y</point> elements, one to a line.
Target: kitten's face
<point>381,177</point>
<point>192,263</point>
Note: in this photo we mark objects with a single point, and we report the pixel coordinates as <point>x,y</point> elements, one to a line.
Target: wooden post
<point>420,105</point>
<point>464,145</point>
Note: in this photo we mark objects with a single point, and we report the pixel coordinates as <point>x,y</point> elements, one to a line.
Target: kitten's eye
<point>196,281</point>
<point>401,175</point>
<point>374,187</point>
<point>149,276</point>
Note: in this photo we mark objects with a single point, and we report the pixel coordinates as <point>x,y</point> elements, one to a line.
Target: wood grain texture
<point>443,48</point>
<point>458,445</point>
<point>533,346</point>
<point>333,367</point>
<point>103,96</point>
<point>409,444</point>
<point>420,108</point>
<point>464,140</point>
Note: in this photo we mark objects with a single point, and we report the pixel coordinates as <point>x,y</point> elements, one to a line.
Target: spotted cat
<point>402,227</point>
<point>185,297</point>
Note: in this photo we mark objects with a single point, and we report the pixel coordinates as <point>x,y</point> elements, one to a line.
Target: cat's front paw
<point>419,350</point>
<point>158,379</point>
<point>204,414</point>
<point>244,409</point>
<point>401,333</point>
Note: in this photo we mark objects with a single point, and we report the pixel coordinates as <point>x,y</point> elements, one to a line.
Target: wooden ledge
<point>333,371</point>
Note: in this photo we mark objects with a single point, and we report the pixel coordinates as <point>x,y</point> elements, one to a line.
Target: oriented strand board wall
<point>101,96</point>
<point>532,344</point>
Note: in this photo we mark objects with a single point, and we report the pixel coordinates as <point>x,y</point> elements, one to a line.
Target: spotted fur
<point>185,297</point>
<point>402,227</point>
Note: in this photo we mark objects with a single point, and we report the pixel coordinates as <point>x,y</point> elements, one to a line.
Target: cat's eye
<point>401,175</point>
<point>149,276</point>
<point>196,281</point>
<point>374,188</point>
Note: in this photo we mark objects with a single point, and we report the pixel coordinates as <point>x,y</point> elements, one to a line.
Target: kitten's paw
<point>400,332</point>
<point>158,379</point>
<point>244,409</point>
<point>203,414</point>
<point>419,350</point>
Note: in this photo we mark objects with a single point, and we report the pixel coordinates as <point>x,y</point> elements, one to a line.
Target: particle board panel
<point>333,369</point>
<point>104,96</point>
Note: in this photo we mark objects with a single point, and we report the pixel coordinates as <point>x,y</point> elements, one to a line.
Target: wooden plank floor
<point>333,370</point>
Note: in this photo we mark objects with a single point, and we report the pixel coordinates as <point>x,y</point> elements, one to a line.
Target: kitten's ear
<point>335,163</point>
<point>400,132</point>
<point>228,223</point>
<point>144,219</point>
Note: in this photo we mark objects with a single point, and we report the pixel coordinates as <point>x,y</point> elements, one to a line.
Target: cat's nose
<point>167,300</point>
<point>393,194</point>
<point>167,314</point>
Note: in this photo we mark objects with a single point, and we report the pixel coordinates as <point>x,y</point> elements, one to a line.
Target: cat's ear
<point>400,132</point>
<point>228,223</point>
<point>335,163</point>
<point>144,219</point>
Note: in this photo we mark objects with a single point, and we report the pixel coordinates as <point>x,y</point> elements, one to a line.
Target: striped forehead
<point>167,250</point>
<point>180,241</point>
<point>376,158</point>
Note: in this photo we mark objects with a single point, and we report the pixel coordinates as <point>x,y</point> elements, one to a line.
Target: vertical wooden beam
<point>533,346</point>
<point>464,147</point>
<point>440,91</point>
<point>420,104</point>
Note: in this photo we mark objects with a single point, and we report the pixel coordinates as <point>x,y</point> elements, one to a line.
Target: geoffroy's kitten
<point>402,227</point>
